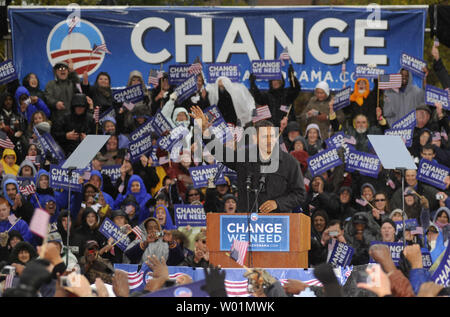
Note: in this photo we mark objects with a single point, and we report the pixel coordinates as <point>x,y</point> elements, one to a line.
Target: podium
<point>295,257</point>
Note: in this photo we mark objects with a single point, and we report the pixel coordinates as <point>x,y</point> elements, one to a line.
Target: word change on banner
<point>160,124</point>
<point>139,147</point>
<point>7,72</point>
<point>408,121</point>
<point>130,94</point>
<point>186,88</point>
<point>396,249</point>
<point>365,163</point>
<point>368,72</point>
<point>406,134</point>
<point>167,142</point>
<point>433,173</point>
<point>434,94</point>
<point>323,161</point>
<point>335,140</point>
<point>409,223</point>
<point>342,98</point>
<point>264,233</point>
<point>441,275</point>
<point>110,112</point>
<point>23,181</point>
<point>113,171</point>
<point>267,69</point>
<point>217,70</point>
<point>59,178</point>
<point>48,144</point>
<point>219,127</point>
<point>110,230</point>
<point>192,215</point>
<point>178,73</point>
<point>427,262</point>
<point>142,130</point>
<point>201,174</point>
<point>341,254</point>
<point>413,64</point>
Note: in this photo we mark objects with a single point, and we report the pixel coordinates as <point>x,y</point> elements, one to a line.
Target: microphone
<point>262,183</point>
<point>248,182</point>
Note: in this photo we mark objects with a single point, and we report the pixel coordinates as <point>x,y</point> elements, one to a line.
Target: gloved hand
<point>165,94</point>
<point>215,282</point>
<point>174,96</point>
<point>4,238</point>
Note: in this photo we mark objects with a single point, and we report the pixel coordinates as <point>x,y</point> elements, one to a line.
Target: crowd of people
<point>345,206</point>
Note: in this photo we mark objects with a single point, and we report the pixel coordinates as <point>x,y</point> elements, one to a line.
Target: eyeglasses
<point>378,200</point>
<point>196,194</point>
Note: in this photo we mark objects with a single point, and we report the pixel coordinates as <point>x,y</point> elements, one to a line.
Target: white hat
<point>324,86</point>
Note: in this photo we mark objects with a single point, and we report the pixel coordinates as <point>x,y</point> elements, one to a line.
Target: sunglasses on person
<point>196,194</point>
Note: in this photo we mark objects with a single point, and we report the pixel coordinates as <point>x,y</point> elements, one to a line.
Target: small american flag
<point>73,23</point>
<point>239,251</point>
<point>164,160</point>
<point>129,105</point>
<point>153,77</point>
<point>9,280</point>
<point>5,142</point>
<point>262,113</point>
<point>283,147</point>
<point>27,190</point>
<point>391,183</point>
<point>392,81</point>
<point>350,140</point>
<point>344,67</point>
<point>12,219</point>
<point>100,48</point>
<point>284,56</point>
<point>362,202</point>
<point>196,67</point>
<point>284,108</point>
<point>39,222</point>
<point>138,232</point>
<point>97,114</point>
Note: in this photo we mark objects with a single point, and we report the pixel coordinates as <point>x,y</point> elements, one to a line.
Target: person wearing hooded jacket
<point>160,94</point>
<point>24,171</point>
<point>8,161</point>
<point>19,225</point>
<point>277,95</point>
<point>100,93</point>
<point>164,218</point>
<point>17,255</point>
<point>20,206</point>
<point>109,126</point>
<point>27,106</point>
<point>399,102</point>
<point>313,139</point>
<point>44,191</point>
<point>74,126</point>
<point>363,101</point>
<point>31,82</point>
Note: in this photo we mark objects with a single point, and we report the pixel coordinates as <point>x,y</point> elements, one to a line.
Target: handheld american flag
<point>100,48</point>
<point>5,142</point>
<point>153,77</point>
<point>73,23</point>
<point>138,232</point>
<point>29,189</point>
<point>284,56</point>
<point>262,113</point>
<point>97,114</point>
<point>39,222</point>
<point>196,67</point>
<point>391,81</point>
<point>239,251</point>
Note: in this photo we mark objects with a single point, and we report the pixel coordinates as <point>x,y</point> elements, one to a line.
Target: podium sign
<point>266,233</point>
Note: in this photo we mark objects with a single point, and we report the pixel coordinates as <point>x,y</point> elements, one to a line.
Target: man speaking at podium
<point>269,180</point>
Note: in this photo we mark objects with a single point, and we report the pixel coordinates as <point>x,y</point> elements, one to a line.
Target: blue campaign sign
<point>141,146</point>
<point>7,72</point>
<point>59,178</point>
<point>267,69</point>
<point>144,129</point>
<point>130,94</point>
<point>323,161</point>
<point>342,98</point>
<point>441,275</point>
<point>433,173</point>
<point>396,249</point>
<point>405,133</point>
<point>368,72</point>
<point>178,73</point>
<point>317,39</point>
<point>160,124</point>
<point>215,71</point>
<point>48,144</point>
<point>110,230</point>
<point>113,171</point>
<point>365,163</point>
<point>408,121</point>
<point>265,233</point>
<point>186,88</point>
<point>413,64</point>
<point>219,127</point>
<point>341,254</point>
<point>426,258</point>
<point>23,181</point>
<point>435,94</point>
<point>192,215</point>
<point>408,222</point>
<point>335,140</point>
<point>167,142</point>
<point>201,174</point>
<point>110,112</point>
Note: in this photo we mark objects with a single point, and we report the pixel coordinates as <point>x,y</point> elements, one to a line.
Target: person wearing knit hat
<point>230,203</point>
<point>313,139</point>
<point>397,215</point>
<point>388,229</point>
<point>299,152</point>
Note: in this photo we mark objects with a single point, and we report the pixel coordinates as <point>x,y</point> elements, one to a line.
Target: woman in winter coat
<point>22,253</point>
<point>313,139</point>
<point>88,230</point>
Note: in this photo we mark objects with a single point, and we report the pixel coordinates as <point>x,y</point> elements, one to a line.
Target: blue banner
<point>143,130</point>
<point>113,171</point>
<point>59,178</point>
<point>219,127</point>
<point>110,112</point>
<point>323,161</point>
<point>48,144</point>
<point>335,140</point>
<point>368,72</point>
<point>160,124</point>
<point>110,230</point>
<point>341,254</point>
<point>130,94</point>
<point>435,94</point>
<point>201,174</point>
<point>192,215</point>
<point>167,142</point>
<point>396,249</point>
<point>433,173</point>
<point>267,70</point>
<point>139,147</point>
<point>365,163</point>
<point>266,233</point>
<point>318,39</point>
<point>7,72</point>
<point>215,71</point>
<point>23,181</point>
<point>178,73</point>
<point>408,121</point>
<point>186,88</point>
<point>408,223</point>
<point>427,262</point>
<point>413,64</point>
<point>441,275</point>
<point>342,98</point>
<point>406,134</point>
<point>187,290</point>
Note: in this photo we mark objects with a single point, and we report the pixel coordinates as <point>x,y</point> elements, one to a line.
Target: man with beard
<point>74,126</point>
<point>234,101</point>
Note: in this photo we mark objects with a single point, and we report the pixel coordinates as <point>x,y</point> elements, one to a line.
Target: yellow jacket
<point>7,169</point>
